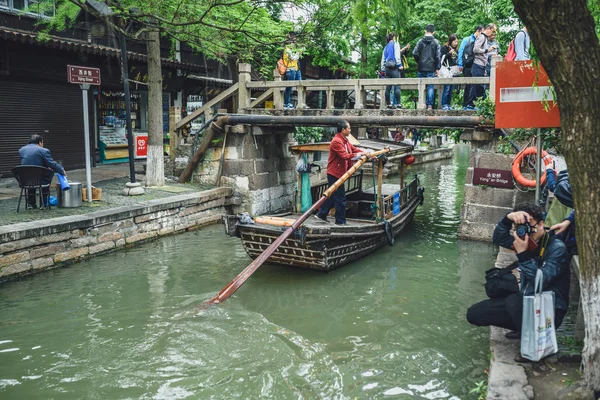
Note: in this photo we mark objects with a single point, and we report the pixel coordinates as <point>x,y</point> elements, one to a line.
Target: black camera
<point>523,229</point>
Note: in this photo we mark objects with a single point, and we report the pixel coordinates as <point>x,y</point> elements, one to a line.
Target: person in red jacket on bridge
<point>341,155</point>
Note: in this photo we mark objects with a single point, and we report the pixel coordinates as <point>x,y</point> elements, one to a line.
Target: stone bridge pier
<point>257,165</point>
<point>483,206</point>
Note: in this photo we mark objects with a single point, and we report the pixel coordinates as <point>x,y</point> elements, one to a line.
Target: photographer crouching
<point>523,231</point>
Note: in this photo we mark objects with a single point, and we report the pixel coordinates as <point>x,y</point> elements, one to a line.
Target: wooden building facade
<point>35,96</point>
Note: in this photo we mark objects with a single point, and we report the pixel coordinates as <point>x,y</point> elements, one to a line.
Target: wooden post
<point>330,98</point>
<point>299,193</point>
<point>174,117</point>
<point>243,92</point>
<point>402,192</point>
<point>401,168</point>
<point>380,189</point>
<point>440,90</point>
<point>277,95</point>
<point>421,105</point>
<point>382,100</point>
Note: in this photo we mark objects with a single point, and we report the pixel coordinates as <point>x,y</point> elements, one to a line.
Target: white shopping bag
<point>538,336</point>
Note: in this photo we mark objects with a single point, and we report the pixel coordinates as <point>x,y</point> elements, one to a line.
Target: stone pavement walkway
<point>111,178</point>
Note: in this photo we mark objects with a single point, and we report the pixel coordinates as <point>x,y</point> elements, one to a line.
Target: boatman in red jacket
<point>341,154</point>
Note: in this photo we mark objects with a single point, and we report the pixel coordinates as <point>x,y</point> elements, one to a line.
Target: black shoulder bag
<point>500,282</point>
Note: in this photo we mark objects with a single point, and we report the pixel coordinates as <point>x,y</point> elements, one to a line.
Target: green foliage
<point>64,15</point>
<point>551,139</point>
<point>307,134</point>
<point>480,390</point>
<point>487,109</point>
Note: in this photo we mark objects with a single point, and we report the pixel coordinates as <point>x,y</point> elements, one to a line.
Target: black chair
<point>33,177</point>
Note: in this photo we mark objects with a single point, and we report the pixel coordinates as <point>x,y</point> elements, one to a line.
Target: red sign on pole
<point>521,91</point>
<point>83,75</point>
<point>141,146</point>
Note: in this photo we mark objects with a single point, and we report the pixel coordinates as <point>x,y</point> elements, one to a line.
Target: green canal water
<point>124,325</point>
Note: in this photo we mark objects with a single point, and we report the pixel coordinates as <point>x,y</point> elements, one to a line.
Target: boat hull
<point>324,247</point>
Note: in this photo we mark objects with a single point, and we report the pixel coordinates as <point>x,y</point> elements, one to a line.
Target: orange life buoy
<point>516,166</point>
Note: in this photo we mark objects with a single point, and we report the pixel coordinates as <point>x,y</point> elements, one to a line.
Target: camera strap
<point>545,241</point>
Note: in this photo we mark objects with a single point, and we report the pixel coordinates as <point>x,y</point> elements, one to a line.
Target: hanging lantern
<point>409,160</point>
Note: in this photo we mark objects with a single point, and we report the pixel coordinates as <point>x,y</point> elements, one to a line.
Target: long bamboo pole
<point>239,280</point>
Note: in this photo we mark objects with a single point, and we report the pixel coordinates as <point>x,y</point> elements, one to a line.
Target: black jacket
<point>451,60</point>
<point>427,54</point>
<point>555,265</point>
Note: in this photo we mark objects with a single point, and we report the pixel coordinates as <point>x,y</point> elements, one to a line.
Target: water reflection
<point>124,326</point>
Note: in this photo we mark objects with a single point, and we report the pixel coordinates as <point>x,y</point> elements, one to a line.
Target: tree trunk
<point>155,171</point>
<point>364,65</point>
<point>564,35</point>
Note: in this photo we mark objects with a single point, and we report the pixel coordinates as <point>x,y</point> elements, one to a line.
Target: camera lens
<point>522,230</point>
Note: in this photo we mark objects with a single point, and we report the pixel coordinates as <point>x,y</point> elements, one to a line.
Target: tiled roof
<point>85,47</point>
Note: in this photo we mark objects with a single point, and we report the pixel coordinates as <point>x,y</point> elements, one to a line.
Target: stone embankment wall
<point>31,247</point>
<point>484,206</point>
<point>257,164</point>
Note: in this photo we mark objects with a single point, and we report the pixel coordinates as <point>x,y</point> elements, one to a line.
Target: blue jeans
<point>337,200</point>
<point>290,75</point>
<point>430,89</point>
<point>447,95</point>
<point>394,89</point>
<point>477,91</point>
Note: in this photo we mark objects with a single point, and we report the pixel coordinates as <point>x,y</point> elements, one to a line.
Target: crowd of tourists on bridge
<point>471,59</point>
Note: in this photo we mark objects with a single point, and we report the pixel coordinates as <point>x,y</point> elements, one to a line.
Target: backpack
<point>281,67</point>
<point>468,55</point>
<point>563,191</point>
<point>511,53</point>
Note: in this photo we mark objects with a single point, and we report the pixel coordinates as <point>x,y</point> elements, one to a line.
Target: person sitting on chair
<point>34,153</point>
<point>550,255</point>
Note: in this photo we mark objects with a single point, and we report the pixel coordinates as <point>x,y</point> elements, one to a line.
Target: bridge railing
<point>360,87</point>
<point>251,94</point>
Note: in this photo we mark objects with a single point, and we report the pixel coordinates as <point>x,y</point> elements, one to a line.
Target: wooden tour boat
<point>374,218</point>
